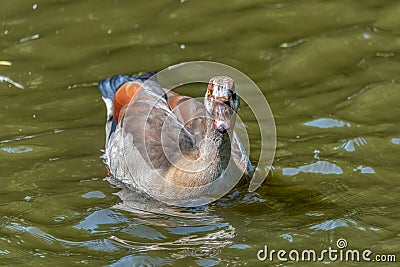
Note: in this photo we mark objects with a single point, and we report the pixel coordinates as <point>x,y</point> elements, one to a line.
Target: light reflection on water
<point>322,167</point>
<point>327,123</point>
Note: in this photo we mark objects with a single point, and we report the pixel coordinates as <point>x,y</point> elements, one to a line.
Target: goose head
<point>222,103</point>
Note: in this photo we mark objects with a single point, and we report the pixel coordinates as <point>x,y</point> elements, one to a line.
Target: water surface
<point>329,69</point>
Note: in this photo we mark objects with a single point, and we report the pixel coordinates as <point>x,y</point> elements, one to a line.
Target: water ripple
<point>327,123</point>
<point>10,81</point>
<point>322,167</point>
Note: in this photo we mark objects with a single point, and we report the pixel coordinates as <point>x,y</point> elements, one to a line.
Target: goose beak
<point>222,117</point>
<point>222,126</point>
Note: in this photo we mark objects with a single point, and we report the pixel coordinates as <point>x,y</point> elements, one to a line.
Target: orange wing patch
<point>123,97</point>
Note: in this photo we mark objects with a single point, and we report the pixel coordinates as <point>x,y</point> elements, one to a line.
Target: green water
<point>329,69</point>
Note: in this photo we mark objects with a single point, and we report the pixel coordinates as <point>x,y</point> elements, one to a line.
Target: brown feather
<point>124,96</point>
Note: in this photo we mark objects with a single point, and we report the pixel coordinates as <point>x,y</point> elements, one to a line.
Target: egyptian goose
<point>172,147</point>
